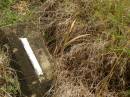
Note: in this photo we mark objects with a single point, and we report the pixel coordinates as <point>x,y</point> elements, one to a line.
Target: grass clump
<point>9,85</point>
<point>90,41</point>
<point>13,12</point>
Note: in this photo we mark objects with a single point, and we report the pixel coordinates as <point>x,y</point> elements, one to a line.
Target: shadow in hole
<point>30,84</point>
<point>20,62</point>
<point>23,83</point>
<point>5,45</point>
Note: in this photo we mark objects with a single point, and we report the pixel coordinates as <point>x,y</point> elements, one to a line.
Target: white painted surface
<point>31,56</point>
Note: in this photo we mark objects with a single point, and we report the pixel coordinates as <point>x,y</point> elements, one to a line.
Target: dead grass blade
<point>76,38</point>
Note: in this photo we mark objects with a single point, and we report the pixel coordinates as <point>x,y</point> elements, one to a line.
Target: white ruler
<point>31,56</point>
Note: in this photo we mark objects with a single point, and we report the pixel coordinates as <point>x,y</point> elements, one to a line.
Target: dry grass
<point>89,40</point>
<point>9,85</point>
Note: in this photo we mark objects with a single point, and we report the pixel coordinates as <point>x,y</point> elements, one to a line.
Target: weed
<point>8,77</point>
<point>98,61</point>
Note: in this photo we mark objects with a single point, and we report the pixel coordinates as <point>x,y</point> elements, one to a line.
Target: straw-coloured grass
<point>9,85</point>
<point>89,39</point>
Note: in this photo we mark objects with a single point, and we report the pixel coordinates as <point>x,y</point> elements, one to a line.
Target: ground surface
<point>87,39</point>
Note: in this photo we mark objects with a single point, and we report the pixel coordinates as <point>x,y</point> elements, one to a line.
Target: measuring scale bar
<point>31,56</point>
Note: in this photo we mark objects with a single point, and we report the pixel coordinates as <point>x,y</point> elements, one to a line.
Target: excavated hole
<point>5,45</point>
<point>39,88</point>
